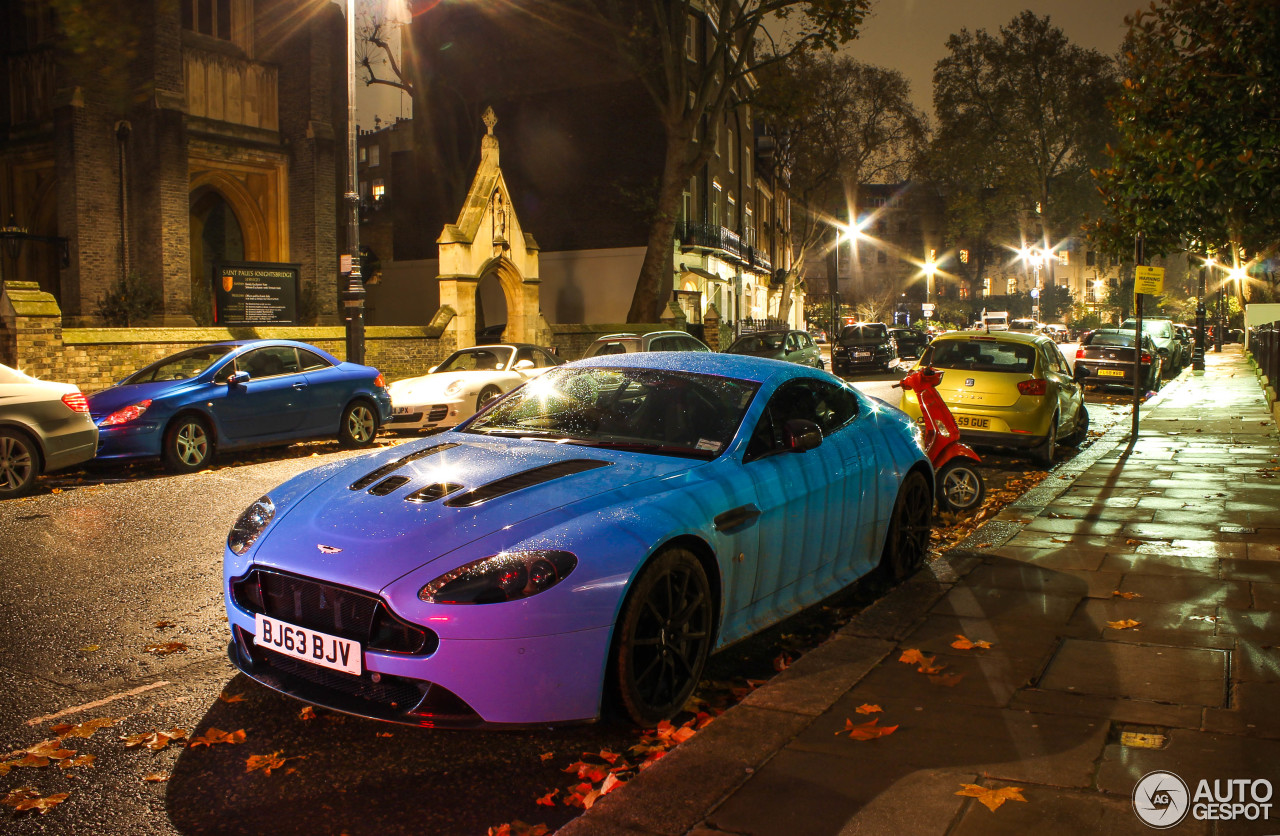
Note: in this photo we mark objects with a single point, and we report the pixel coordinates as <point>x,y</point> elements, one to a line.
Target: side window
<point>269,361</point>
<point>835,405</point>
<point>665,344</point>
<point>312,362</point>
<point>791,343</point>
<point>690,344</point>
<point>224,373</point>
<point>826,404</point>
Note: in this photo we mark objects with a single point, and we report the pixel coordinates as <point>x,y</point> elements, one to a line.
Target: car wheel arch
<point>188,412</point>
<point>30,435</point>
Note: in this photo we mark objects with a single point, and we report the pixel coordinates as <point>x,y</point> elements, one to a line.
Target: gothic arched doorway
<point>491,309</point>
<point>216,236</point>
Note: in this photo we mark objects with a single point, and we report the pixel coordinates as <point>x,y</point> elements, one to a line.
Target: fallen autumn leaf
<point>992,799</point>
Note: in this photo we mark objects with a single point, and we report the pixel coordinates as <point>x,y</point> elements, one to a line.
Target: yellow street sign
<point>1148,280</point>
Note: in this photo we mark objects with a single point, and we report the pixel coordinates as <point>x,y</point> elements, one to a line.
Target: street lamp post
<point>353,294</point>
<point>1197,355</point>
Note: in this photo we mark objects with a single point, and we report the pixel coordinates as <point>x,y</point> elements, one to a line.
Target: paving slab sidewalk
<point>1130,601</point>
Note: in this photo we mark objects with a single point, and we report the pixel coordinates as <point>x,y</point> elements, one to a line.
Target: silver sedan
<point>43,426</point>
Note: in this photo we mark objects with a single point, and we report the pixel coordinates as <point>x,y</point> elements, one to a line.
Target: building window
<point>1090,258</point>
<point>748,226</point>
<point>986,287</point>
<point>731,216</point>
<point>964,291</point>
<point>362,156</point>
<point>690,38</point>
<point>714,208</point>
<point>208,17</point>
<point>1011,286</point>
<point>685,200</point>
<point>716,139</point>
<point>379,189</point>
<point>375,155</point>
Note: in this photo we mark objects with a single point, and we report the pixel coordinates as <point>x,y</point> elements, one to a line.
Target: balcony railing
<point>709,237</point>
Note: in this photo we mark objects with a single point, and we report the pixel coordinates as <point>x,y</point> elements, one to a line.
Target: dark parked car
<point>911,343</point>
<point>863,346</point>
<point>230,395</point>
<point>793,346</point>
<point>43,426</point>
<point>1105,358</point>
<point>1160,329</point>
<point>653,341</point>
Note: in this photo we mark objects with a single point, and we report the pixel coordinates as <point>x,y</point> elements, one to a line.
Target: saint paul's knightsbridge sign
<point>255,293</point>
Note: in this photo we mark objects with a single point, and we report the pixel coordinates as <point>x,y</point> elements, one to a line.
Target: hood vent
<point>525,479</point>
<point>433,492</point>
<point>387,485</point>
<point>368,479</point>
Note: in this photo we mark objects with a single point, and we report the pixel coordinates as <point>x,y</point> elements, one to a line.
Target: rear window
<point>984,356</point>
<point>1125,340</point>
<point>613,347</point>
<point>874,331</point>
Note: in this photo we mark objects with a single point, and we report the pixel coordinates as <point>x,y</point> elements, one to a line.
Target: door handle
<point>299,386</point>
<point>736,518</point>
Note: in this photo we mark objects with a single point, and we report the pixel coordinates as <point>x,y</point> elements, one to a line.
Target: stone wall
<point>33,340</point>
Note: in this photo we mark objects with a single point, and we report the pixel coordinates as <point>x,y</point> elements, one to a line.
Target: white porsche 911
<point>460,386</point>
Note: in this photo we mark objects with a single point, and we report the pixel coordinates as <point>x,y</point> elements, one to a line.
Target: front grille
<point>438,412</point>
<point>336,610</point>
<point>392,691</point>
<point>411,418</point>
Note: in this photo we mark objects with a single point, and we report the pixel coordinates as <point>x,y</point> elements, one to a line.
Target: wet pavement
<point>1130,604</point>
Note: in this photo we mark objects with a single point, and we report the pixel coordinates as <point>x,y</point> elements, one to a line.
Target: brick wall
<point>33,340</point>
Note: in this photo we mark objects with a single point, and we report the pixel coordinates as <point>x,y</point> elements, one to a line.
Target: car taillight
<point>76,402</point>
<point>1146,358</point>
<point>1079,353</point>
<point>380,381</point>
<point>1033,387</point>
<point>123,416</point>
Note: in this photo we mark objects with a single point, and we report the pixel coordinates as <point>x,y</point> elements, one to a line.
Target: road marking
<point>35,721</point>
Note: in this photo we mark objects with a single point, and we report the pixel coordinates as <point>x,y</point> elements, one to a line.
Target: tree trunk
<point>654,284</point>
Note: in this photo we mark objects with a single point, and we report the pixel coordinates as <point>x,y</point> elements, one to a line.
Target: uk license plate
<point>972,422</point>
<point>401,410</point>
<point>308,645</point>
<point>1111,373</point>
<point>862,354</point>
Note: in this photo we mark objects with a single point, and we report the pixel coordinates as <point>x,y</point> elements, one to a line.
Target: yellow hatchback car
<point>1007,389</point>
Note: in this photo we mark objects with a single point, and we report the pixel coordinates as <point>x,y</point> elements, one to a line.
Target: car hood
<point>102,404</point>
<point>774,353</point>
<point>344,532</point>
<point>432,384</point>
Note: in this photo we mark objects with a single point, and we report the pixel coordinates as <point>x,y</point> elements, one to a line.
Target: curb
<point>677,793</point>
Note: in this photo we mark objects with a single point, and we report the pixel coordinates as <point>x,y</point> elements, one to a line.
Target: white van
<point>995,320</point>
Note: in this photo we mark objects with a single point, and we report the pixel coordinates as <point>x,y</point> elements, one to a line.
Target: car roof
<point>1003,336</point>
<point>631,335</point>
<point>504,345</point>
<point>739,366</point>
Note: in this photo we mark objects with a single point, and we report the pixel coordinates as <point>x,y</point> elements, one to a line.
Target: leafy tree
<point>1197,162</point>
<point>1022,120</point>
<point>129,301</point>
<point>691,97</point>
<point>845,123</point>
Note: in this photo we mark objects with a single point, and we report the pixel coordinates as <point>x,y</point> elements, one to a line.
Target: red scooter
<point>960,486</point>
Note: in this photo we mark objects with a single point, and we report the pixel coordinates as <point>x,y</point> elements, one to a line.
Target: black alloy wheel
<point>487,394</point>
<point>961,488</point>
<point>19,464</point>
<point>910,527</point>
<point>359,425</point>
<point>188,444</point>
<point>663,637</point>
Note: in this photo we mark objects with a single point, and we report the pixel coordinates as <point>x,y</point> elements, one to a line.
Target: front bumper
<point>464,683</point>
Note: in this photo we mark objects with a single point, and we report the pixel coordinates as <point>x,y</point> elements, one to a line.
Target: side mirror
<point>238,379</point>
<point>801,435</point>
<point>524,364</point>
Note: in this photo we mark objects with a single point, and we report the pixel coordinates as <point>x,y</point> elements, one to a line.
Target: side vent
<point>388,468</point>
<point>387,485</point>
<point>433,492</point>
<point>525,479</point>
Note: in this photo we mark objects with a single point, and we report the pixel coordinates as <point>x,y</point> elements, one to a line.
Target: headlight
<point>125,415</point>
<point>509,576</point>
<point>250,525</point>
<point>453,388</point>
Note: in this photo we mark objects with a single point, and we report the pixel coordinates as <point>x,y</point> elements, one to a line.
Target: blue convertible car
<point>237,394</point>
<point>586,540</point>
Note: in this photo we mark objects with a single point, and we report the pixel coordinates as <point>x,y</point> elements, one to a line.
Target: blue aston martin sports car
<point>585,541</point>
<point>233,395</point>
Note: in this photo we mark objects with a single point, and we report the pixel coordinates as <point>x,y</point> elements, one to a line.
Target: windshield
<point>982,356</point>
<point>490,358</point>
<point>648,410</point>
<point>758,342</point>
<point>190,363</point>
